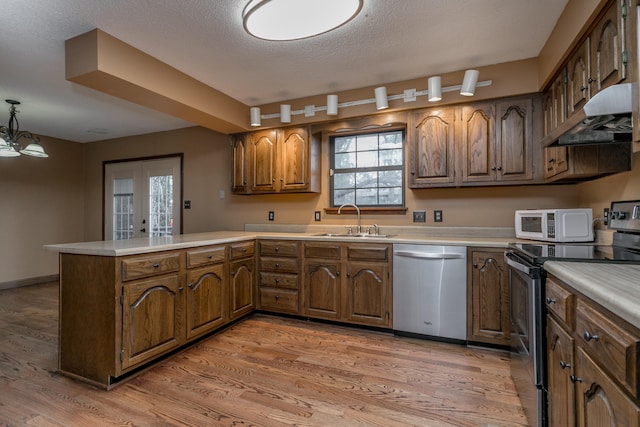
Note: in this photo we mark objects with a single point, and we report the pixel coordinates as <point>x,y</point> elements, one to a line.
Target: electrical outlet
<point>606,216</point>
<point>317,215</point>
<point>187,204</point>
<point>272,216</point>
<point>419,216</point>
<point>437,216</point>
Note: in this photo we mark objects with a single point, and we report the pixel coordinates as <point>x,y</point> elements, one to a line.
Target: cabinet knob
<point>348,274</point>
<point>210,257</point>
<point>277,249</point>
<point>499,168</point>
<point>493,168</point>
<point>277,297</point>
<point>583,88</point>
<point>143,230</point>
<point>550,300</point>
<point>475,265</point>
<point>156,265</point>
<point>277,265</point>
<point>277,280</point>
<point>575,379</point>
<point>564,365</point>
<point>337,273</point>
<point>190,285</point>
<point>181,289</point>
<point>591,80</point>
<point>588,337</point>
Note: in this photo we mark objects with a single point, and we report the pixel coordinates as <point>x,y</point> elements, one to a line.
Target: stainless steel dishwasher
<point>430,290</point>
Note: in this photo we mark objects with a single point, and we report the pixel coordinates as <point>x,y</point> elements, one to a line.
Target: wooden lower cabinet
<point>593,360</point>
<point>488,297</point>
<point>241,287</point>
<point>279,276</point>
<point>207,289</point>
<point>348,282</point>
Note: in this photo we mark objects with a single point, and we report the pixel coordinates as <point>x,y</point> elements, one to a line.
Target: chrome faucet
<point>358,231</point>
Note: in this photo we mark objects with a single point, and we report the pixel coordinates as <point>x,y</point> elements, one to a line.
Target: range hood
<point>606,117</point>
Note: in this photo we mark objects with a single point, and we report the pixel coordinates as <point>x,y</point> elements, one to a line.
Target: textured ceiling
<point>391,40</point>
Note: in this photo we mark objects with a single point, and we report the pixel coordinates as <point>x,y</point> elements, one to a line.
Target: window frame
<point>364,132</point>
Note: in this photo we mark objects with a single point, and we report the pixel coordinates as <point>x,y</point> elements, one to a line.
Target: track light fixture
<point>381,99</point>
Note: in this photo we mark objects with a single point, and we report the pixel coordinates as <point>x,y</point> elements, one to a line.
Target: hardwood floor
<point>264,371</point>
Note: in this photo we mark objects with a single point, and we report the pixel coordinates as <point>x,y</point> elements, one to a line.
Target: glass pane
<point>344,180</point>
<point>367,179</point>
<point>390,140</point>
<point>390,196</point>
<point>368,142</point>
<point>390,178</point>
<point>160,206</point>
<point>341,197</point>
<point>345,143</point>
<point>367,159</point>
<point>391,157</point>
<point>367,196</point>
<point>122,209</point>
<point>345,161</point>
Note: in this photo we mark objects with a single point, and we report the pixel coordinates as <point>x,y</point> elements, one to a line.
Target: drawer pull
<point>277,280</point>
<point>550,300</point>
<point>210,257</point>
<point>277,297</point>
<point>156,265</point>
<point>564,365</point>
<point>277,265</point>
<point>588,337</point>
<point>575,379</point>
<point>277,249</point>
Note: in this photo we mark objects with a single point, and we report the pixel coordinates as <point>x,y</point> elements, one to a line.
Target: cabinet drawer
<point>279,300</point>
<point>135,268</point>
<point>277,280</point>
<point>322,250</point>
<point>204,256</point>
<point>241,249</point>
<point>279,248</point>
<point>368,252</point>
<point>614,348</point>
<point>560,302</point>
<point>286,265</point>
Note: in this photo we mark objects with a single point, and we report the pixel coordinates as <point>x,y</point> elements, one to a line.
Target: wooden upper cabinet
<point>478,142</point>
<point>608,52</point>
<point>578,78</point>
<point>432,149</point>
<point>263,156</point>
<point>239,183</point>
<point>276,160</point>
<point>514,141</point>
<point>559,99</point>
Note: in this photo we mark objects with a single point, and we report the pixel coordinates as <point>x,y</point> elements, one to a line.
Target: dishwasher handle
<point>428,255</point>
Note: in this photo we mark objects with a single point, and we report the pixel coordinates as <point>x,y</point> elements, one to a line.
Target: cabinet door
<point>263,157</point>
<point>432,150</point>
<point>322,289</point>
<point>514,145</point>
<point>578,78</point>
<point>561,388</point>
<point>241,287</point>
<point>555,160</point>
<point>489,299</point>
<point>559,100</point>
<point>206,292</point>
<point>368,289</point>
<point>608,50</point>
<point>239,184</point>
<point>599,402</point>
<point>478,141</point>
<point>152,316</point>
<point>295,159</point>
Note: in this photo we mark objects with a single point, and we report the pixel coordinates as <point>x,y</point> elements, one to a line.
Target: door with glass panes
<point>142,198</point>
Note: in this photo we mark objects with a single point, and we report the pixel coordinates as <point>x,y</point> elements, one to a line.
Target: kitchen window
<point>368,169</point>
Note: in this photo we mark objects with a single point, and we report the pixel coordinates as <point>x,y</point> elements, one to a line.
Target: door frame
<point>140,159</point>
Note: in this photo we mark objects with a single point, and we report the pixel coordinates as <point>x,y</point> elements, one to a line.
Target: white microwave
<point>555,225</point>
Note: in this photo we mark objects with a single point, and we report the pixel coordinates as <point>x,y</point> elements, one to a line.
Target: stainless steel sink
<point>357,235</point>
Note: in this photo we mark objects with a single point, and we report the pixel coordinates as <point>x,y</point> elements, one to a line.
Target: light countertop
<point>614,286</point>
<point>156,244</point>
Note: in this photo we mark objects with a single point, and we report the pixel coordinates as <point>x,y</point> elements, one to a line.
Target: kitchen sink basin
<point>358,235</point>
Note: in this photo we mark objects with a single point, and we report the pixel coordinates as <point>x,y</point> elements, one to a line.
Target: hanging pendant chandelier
<point>11,135</point>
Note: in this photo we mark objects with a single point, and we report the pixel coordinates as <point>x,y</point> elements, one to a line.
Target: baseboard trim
<point>28,282</point>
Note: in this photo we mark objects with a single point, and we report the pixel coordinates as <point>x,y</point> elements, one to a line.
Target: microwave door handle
<point>509,259</point>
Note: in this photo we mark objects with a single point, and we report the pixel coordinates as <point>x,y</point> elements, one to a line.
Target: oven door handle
<point>511,260</point>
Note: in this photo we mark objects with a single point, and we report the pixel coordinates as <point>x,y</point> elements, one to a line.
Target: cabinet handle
<point>337,273</point>
<point>233,273</point>
<point>591,80</point>
<point>348,274</point>
<point>552,160</point>
<point>156,265</point>
<point>210,257</point>
<point>475,265</point>
<point>575,379</point>
<point>277,249</point>
<point>277,265</point>
<point>550,300</point>
<point>190,285</point>
<point>143,230</point>
<point>499,168</point>
<point>564,365</point>
<point>588,337</point>
<point>277,297</point>
<point>493,168</point>
<point>277,280</point>
<point>181,289</point>
<point>583,88</point>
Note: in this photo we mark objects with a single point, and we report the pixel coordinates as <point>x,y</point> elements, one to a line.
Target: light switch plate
<point>419,216</point>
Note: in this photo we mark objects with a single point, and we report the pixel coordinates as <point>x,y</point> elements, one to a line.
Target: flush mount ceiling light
<point>11,135</point>
<point>281,20</point>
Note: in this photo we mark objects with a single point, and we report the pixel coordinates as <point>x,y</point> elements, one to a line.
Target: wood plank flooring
<point>263,371</point>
